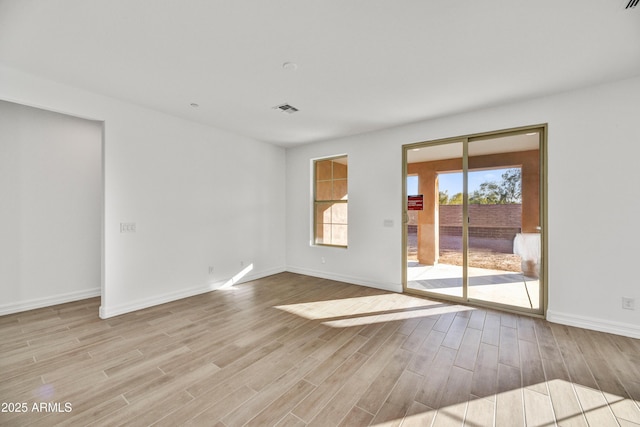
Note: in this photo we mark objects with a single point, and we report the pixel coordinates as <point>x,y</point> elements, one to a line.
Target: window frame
<point>316,202</point>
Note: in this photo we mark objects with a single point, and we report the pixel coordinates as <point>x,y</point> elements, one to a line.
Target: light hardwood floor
<point>291,350</point>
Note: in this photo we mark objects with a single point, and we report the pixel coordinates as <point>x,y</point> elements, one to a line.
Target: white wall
<point>203,197</point>
<point>373,256</point>
<point>593,135</point>
<point>199,197</point>
<point>51,207</point>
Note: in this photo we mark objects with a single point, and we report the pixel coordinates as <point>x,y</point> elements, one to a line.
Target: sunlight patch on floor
<point>504,287</point>
<point>543,404</point>
<point>341,313</point>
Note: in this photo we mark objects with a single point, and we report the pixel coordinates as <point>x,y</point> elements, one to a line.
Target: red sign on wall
<point>415,203</point>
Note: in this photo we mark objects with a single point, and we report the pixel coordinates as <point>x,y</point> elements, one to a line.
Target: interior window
<point>331,201</point>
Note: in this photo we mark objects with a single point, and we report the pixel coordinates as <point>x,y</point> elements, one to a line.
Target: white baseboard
<point>601,325</point>
<point>32,304</point>
<point>347,279</point>
<point>106,312</point>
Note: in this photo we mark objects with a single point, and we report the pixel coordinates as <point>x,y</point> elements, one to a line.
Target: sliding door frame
<point>465,139</point>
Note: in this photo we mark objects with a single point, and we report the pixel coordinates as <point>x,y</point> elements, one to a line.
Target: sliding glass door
<point>474,216</point>
<point>428,245</point>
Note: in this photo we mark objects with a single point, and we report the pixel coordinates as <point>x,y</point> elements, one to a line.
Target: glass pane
<point>434,230</point>
<point>323,212</point>
<point>331,185</point>
<point>339,234</point>
<point>324,190</point>
<point>504,234</point>
<point>339,213</point>
<point>331,223</point>
<point>323,234</point>
<point>323,170</point>
<point>340,168</point>
<point>340,189</point>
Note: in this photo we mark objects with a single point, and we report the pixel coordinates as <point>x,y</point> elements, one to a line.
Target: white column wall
<point>199,196</point>
<point>50,209</point>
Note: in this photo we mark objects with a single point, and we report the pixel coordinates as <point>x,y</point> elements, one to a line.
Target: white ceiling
<point>362,64</point>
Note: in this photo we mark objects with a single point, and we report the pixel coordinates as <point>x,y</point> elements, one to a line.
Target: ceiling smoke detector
<point>286,108</point>
<point>632,4</point>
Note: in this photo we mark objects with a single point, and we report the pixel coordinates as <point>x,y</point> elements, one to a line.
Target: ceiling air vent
<point>632,4</point>
<point>286,108</point>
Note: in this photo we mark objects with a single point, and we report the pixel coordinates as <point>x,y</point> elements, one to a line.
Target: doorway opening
<point>474,219</point>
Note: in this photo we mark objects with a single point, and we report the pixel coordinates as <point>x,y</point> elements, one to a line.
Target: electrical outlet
<point>322,259</point>
<point>241,263</point>
<point>211,269</point>
<point>628,303</point>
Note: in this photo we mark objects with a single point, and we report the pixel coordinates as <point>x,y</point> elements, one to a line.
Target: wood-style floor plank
<point>292,350</point>
<point>565,404</point>
<point>399,401</point>
<point>318,398</point>
<point>480,412</point>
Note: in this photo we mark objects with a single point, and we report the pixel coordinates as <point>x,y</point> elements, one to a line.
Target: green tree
<point>512,185</point>
<point>508,190</point>
<point>487,194</point>
<point>445,199</point>
<point>456,199</point>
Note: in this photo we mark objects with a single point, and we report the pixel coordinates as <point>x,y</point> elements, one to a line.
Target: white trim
<point>595,324</point>
<point>106,312</point>
<point>347,279</point>
<point>48,301</point>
